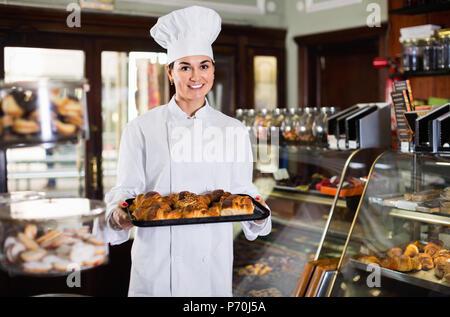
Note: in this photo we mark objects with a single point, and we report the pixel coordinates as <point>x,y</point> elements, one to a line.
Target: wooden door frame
<point>309,90</point>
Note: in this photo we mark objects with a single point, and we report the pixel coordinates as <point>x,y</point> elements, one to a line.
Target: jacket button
<point>205,259</point>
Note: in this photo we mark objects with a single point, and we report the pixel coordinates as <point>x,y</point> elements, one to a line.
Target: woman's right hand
<point>119,217</point>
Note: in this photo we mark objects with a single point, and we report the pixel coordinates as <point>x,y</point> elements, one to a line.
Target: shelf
<point>309,197</point>
<point>424,279</point>
<point>420,216</point>
<point>422,74</point>
<point>422,9</point>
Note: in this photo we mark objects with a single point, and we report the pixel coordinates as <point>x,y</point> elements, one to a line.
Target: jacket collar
<point>179,114</point>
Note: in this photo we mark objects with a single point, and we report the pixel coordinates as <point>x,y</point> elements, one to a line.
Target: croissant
<point>404,263</point>
<point>411,250</point>
<point>426,260</point>
<point>416,263</point>
<point>390,263</point>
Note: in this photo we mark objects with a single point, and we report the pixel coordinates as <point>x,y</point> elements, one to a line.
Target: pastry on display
<point>416,256</point>
<point>27,113</point>
<point>54,250</point>
<point>423,196</point>
<point>152,206</point>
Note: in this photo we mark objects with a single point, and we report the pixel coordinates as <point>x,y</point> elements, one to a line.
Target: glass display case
<point>305,188</point>
<point>399,240</point>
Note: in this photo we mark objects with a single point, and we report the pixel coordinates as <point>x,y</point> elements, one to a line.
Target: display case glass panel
<point>399,242</point>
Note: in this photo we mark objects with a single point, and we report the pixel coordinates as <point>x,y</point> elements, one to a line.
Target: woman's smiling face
<point>193,77</point>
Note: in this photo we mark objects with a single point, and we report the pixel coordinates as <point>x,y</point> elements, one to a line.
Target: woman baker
<point>183,146</point>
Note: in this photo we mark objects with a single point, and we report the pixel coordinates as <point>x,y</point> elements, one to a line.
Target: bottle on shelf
<point>429,54</point>
<point>320,127</point>
<point>262,124</point>
<point>288,124</point>
<point>249,121</point>
<point>304,129</point>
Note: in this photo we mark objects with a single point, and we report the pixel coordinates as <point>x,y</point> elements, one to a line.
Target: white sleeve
<point>242,184</point>
<point>130,178</point>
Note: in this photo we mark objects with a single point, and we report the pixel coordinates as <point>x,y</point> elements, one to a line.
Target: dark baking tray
<point>260,212</point>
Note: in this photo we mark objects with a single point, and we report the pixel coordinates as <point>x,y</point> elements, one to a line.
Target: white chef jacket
<point>188,260</point>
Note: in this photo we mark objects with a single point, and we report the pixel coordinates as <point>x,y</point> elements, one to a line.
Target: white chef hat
<point>187,32</point>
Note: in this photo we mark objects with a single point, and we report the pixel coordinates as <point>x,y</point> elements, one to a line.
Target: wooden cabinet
<point>423,87</point>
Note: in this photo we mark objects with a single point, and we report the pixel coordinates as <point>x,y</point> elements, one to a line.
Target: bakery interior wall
<point>323,17</point>
<point>298,17</point>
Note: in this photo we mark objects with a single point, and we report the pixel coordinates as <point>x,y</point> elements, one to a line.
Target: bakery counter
<point>403,231</point>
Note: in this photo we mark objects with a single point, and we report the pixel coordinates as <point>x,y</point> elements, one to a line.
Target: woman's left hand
<point>261,201</point>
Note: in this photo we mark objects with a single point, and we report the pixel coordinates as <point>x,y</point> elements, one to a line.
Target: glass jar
<point>42,111</point>
<point>250,120</point>
<point>288,127</point>
<point>304,129</point>
<point>262,124</point>
<point>416,57</point>
<point>406,55</point>
<point>447,50</point>
<point>52,237</point>
<point>441,55</point>
<point>429,54</point>
<point>278,117</point>
<point>320,127</point>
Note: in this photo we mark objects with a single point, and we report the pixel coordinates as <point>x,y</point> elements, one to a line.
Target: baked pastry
<point>404,263</point>
<point>416,263</point>
<point>30,244</point>
<point>152,206</point>
<point>31,231</point>
<point>432,248</point>
<point>33,255</point>
<point>11,107</point>
<point>419,245</point>
<point>442,268</point>
<point>23,126</point>
<point>237,205</point>
<point>411,250</point>
<point>394,252</point>
<point>215,209</point>
<point>195,210</point>
<point>426,260</point>
<point>65,128</point>
<point>370,259</point>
